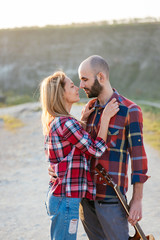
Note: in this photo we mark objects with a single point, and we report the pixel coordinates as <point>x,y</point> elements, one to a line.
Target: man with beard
<point>105,218</point>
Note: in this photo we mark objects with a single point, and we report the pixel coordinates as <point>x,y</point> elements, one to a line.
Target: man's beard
<point>95,90</point>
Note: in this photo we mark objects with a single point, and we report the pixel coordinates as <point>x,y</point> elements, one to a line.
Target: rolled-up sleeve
<point>136,148</point>
<point>76,135</point>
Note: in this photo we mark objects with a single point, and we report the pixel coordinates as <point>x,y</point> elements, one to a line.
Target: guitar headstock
<point>104,175</point>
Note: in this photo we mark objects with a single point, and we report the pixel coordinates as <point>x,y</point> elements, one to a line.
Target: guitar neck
<point>126,208</point>
<point>109,181</point>
<point>121,198</point>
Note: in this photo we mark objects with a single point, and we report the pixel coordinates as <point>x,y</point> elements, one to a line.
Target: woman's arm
<point>80,141</point>
<point>109,111</point>
<point>77,136</point>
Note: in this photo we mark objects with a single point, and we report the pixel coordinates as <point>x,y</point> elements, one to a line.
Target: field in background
<point>28,55</point>
<point>151,122</point>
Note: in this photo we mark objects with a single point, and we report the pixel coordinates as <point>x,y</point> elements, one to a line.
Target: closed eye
<point>84,79</point>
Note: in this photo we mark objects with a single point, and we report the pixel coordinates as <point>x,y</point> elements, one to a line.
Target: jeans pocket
<point>52,204</point>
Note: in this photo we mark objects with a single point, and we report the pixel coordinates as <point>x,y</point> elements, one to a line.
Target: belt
<point>104,202</point>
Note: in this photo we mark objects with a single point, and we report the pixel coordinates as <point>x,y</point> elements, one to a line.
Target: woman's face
<point>71,93</point>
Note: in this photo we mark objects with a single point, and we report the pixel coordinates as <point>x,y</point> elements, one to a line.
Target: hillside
<point>28,55</point>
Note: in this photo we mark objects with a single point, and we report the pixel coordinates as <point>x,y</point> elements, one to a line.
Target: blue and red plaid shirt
<point>124,138</point>
<point>68,148</point>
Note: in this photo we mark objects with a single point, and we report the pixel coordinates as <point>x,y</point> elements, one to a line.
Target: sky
<point>19,13</point>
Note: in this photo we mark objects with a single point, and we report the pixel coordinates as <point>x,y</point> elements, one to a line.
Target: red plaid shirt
<point>68,148</point>
<point>124,138</point>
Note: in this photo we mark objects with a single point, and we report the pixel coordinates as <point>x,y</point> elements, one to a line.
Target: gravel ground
<point>24,181</point>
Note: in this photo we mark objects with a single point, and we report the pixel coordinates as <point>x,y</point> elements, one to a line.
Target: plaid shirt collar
<point>114,95</point>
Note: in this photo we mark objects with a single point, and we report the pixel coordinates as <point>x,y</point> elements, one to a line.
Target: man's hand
<point>52,174</point>
<point>135,212</point>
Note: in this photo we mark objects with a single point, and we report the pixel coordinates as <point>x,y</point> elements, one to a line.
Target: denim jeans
<point>64,215</point>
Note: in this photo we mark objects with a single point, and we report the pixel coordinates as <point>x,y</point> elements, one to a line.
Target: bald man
<point>104,218</point>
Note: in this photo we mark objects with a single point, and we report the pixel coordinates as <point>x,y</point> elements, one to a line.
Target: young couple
<point>109,131</point>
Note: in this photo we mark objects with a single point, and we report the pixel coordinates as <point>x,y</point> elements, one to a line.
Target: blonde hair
<point>52,100</point>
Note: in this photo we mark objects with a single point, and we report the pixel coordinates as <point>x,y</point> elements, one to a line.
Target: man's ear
<point>100,77</point>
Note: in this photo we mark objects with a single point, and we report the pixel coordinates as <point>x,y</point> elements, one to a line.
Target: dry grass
<point>151,120</point>
<point>11,123</point>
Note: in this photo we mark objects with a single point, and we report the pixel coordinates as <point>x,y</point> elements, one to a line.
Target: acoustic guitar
<point>139,234</point>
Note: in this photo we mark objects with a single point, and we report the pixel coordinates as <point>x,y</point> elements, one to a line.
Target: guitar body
<point>136,237</point>
<point>139,234</point>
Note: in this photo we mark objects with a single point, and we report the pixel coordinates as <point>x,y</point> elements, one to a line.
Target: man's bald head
<point>96,64</point>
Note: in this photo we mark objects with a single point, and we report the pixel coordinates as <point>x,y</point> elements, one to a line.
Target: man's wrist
<point>137,192</point>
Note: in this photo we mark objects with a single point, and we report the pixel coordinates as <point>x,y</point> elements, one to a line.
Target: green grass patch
<point>3,105</point>
<point>16,100</point>
<point>13,98</point>
<point>151,122</point>
<point>11,123</point>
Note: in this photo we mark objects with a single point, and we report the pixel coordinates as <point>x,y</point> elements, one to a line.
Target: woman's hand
<point>110,110</point>
<point>87,110</point>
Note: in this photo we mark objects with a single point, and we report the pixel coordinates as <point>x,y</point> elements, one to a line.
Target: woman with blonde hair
<point>68,148</point>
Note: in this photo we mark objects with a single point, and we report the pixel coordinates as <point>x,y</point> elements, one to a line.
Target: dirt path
<point>152,104</point>
<point>24,181</point>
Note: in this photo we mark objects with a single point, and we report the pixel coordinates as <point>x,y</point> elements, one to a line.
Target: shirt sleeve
<point>76,135</point>
<point>53,147</point>
<point>137,152</point>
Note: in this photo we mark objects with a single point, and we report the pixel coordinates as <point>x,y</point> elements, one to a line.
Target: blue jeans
<point>64,215</point>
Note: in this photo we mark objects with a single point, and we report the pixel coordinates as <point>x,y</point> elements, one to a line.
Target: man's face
<point>89,83</point>
<point>95,89</point>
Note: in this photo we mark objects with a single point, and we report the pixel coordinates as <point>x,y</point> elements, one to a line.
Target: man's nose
<point>81,85</point>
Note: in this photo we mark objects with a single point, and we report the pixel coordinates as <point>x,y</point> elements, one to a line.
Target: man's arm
<point>138,162</point>
<point>52,174</point>
<point>135,212</point>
